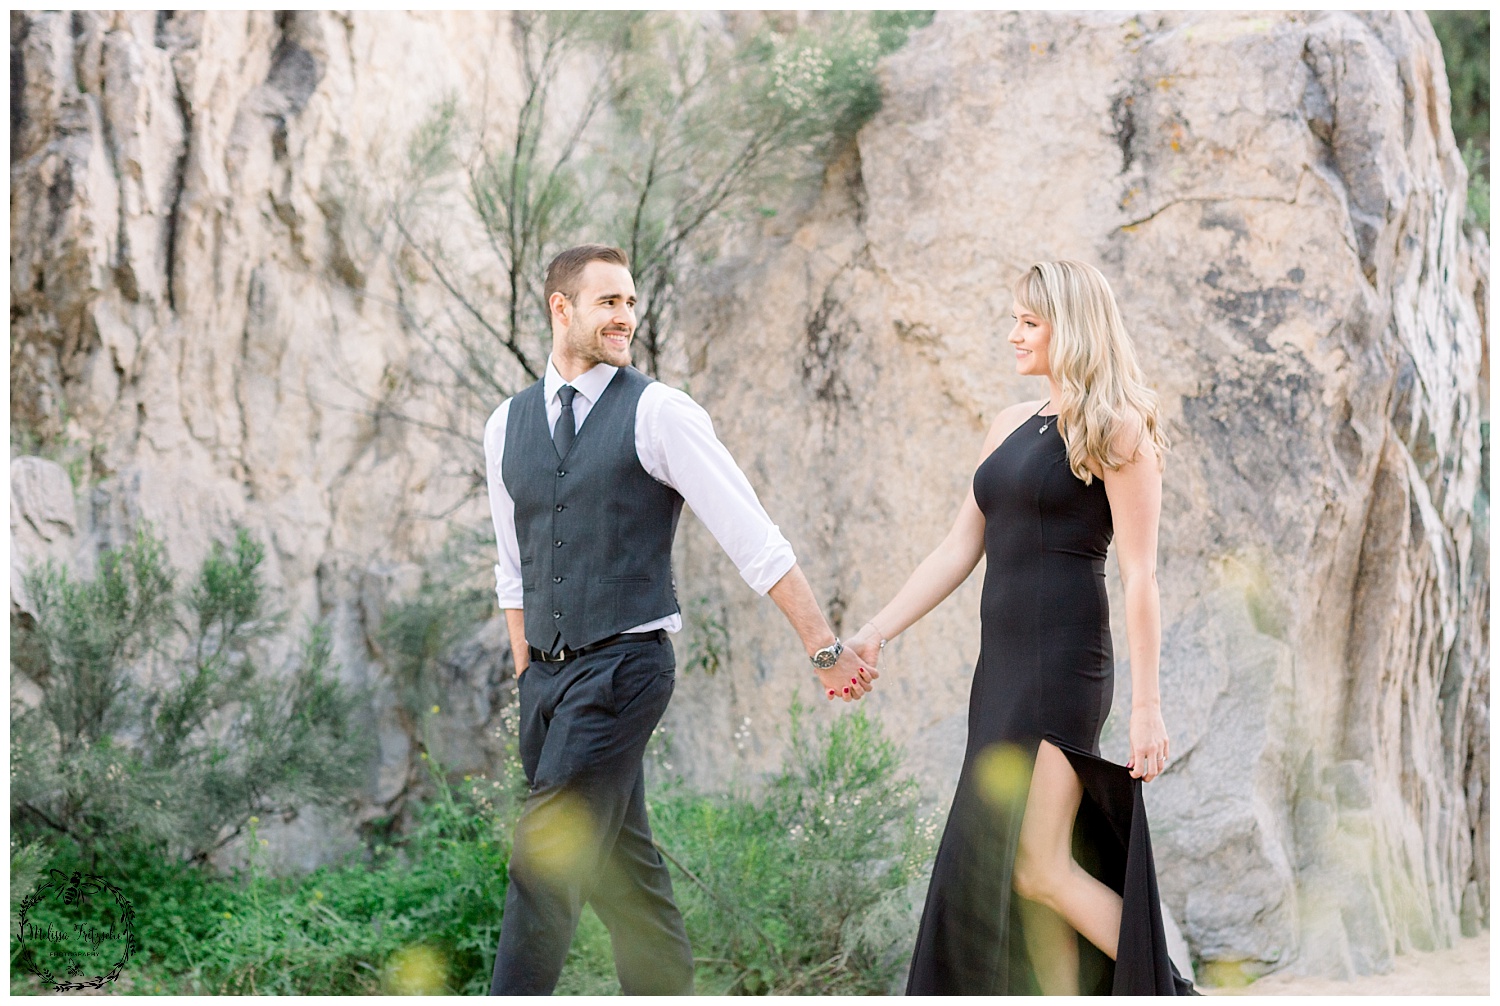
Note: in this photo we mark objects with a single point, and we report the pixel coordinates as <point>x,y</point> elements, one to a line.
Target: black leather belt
<point>620,637</point>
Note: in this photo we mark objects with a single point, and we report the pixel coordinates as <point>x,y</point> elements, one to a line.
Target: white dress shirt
<point>676,445</point>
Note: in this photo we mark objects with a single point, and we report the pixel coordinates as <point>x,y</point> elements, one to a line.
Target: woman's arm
<point>948,565</point>
<point>1135,506</point>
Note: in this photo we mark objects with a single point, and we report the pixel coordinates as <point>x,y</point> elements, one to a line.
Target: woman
<point>1056,480</point>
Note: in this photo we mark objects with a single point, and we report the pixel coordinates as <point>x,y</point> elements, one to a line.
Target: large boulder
<point>1278,202</point>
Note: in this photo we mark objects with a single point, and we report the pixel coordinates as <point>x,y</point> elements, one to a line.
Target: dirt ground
<point>1463,970</point>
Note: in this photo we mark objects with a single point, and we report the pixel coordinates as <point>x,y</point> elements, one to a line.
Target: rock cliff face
<point>1276,199</point>
<point>1278,202</point>
<point>191,298</point>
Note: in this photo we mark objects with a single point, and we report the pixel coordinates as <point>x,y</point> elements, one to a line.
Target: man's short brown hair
<point>568,266</point>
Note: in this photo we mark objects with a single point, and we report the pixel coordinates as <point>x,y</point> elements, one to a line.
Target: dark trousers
<point>583,835</point>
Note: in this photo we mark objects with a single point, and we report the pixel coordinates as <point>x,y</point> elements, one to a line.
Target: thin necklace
<point>1048,418</point>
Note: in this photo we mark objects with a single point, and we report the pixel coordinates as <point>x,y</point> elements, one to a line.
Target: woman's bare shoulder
<point>1010,417</point>
<point>1014,415</point>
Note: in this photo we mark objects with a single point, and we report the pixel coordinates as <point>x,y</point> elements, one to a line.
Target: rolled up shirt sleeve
<point>677,446</point>
<point>502,512</point>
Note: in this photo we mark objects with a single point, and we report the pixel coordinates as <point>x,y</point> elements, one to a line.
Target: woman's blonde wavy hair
<point>1093,362</point>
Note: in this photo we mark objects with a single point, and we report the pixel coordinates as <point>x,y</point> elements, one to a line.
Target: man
<point>588,470</point>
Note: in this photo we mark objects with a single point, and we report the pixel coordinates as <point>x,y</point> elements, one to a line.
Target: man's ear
<point>559,308</point>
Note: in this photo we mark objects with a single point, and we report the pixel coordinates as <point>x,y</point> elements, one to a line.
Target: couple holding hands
<point>588,470</point>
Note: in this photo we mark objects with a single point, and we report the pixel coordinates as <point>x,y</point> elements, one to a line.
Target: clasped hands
<point>854,674</point>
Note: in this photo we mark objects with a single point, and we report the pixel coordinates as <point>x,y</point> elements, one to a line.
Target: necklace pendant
<point>1044,428</point>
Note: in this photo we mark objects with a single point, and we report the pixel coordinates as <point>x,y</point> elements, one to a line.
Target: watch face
<point>827,656</point>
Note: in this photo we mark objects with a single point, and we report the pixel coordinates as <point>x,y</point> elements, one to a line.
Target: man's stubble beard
<point>590,347</point>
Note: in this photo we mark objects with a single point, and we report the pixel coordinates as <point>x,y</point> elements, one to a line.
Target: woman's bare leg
<point>1045,871</point>
<point>1052,946</point>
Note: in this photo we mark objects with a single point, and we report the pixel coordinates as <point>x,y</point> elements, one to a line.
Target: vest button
<point>557,614</point>
<point>557,544</point>
<point>557,579</point>
<point>561,473</point>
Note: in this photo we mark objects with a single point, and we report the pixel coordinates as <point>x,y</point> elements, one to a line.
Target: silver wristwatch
<point>828,655</point>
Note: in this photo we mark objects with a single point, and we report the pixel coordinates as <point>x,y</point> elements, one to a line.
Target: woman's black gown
<point>1046,670</point>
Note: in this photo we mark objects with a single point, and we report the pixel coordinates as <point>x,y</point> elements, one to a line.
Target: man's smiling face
<point>602,322</point>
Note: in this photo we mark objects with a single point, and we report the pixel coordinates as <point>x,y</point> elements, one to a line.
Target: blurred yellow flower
<point>418,970</point>
<point>555,837</point>
<point>1003,773</point>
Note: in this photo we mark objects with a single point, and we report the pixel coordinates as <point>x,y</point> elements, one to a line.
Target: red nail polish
<point>854,681</point>
<point>846,691</point>
<point>830,693</point>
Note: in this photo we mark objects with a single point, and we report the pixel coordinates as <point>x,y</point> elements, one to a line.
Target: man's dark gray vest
<point>595,530</point>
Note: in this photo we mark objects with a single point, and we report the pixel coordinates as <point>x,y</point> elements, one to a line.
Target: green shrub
<point>803,889</point>
<point>155,724</point>
<point>821,80</point>
<point>416,633</point>
<point>28,861</point>
<point>1477,162</point>
<point>1465,38</point>
<point>422,916</point>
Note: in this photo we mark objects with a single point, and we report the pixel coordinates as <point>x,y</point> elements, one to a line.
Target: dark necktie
<point>564,431</point>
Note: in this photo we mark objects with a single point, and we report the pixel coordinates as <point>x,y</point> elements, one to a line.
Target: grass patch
<point>798,888</point>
